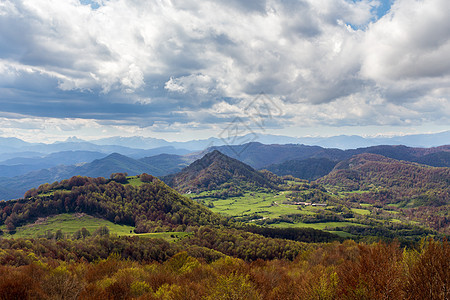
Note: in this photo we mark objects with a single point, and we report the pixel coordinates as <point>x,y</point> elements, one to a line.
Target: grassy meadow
<point>70,223</point>
<point>272,208</point>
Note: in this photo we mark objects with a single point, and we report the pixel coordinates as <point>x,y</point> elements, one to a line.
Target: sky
<point>186,69</point>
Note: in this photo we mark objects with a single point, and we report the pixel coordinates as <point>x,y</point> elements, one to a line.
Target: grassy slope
<point>70,223</point>
<point>260,203</point>
<point>253,203</point>
<point>360,211</point>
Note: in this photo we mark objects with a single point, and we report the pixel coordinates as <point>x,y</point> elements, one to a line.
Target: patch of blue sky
<point>378,12</point>
<point>94,4</point>
<point>383,8</point>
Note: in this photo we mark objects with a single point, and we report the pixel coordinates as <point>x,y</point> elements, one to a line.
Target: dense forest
<point>104,267</point>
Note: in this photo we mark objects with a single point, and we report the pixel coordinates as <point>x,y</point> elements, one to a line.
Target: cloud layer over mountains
<point>164,65</point>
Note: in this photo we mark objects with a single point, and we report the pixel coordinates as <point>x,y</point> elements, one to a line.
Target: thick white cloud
<point>406,56</point>
<point>412,42</point>
<point>178,62</point>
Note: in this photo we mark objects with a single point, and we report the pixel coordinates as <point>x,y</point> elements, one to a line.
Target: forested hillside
<point>217,171</point>
<point>393,180</point>
<point>419,192</point>
<point>150,206</point>
<point>309,169</point>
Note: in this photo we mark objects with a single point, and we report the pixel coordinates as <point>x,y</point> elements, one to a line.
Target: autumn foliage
<point>330,271</point>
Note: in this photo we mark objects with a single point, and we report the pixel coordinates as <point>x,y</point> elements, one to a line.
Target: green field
<point>269,205</point>
<point>271,209</point>
<point>395,221</point>
<point>266,205</point>
<point>134,181</point>
<point>70,223</point>
<point>361,211</point>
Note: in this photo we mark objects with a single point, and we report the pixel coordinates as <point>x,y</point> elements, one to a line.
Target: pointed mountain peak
<point>217,155</point>
<point>217,171</point>
<point>217,160</point>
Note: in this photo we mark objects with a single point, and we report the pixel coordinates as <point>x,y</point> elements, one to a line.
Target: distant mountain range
<point>22,165</point>
<point>168,163</point>
<point>133,146</point>
<point>15,187</point>
<point>354,141</point>
<point>261,156</point>
<point>18,174</point>
<point>14,148</point>
<point>341,141</point>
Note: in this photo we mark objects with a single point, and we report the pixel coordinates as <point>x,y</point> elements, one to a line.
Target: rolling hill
<point>297,160</point>
<point>147,204</point>
<point>217,171</point>
<point>391,180</point>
